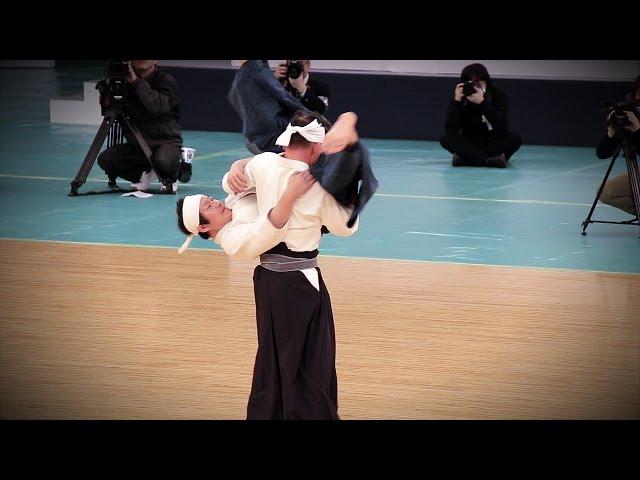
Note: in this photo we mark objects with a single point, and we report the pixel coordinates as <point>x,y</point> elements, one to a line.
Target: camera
<point>113,86</point>
<point>294,68</point>
<point>118,70</point>
<point>618,118</point>
<point>469,88</point>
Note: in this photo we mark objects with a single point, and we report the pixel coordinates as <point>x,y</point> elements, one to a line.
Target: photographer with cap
<point>153,105</point>
<point>476,127</point>
<point>312,93</point>
<point>617,191</point>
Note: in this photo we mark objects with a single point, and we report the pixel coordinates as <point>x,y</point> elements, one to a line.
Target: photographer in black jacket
<point>154,107</point>
<point>312,93</point>
<point>617,191</point>
<point>476,128</point>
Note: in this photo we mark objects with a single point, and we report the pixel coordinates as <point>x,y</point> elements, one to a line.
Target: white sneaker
<point>175,187</point>
<point>145,180</point>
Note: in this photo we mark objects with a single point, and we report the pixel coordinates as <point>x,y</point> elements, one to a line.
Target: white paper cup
<point>188,154</point>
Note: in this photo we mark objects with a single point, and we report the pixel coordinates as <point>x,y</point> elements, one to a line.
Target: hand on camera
<point>635,123</point>
<point>610,131</point>
<point>281,71</point>
<point>477,97</point>
<point>458,92</point>
<point>132,77</point>
<point>298,84</point>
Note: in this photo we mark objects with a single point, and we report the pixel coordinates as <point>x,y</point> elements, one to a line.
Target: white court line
<point>452,235</point>
<point>389,195</point>
<point>220,251</point>
<point>94,179</point>
<point>476,199</point>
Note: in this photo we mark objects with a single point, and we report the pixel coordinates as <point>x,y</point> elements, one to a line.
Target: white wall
<point>544,69</point>
<point>614,70</point>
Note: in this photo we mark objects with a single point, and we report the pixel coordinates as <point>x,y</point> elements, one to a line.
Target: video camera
<point>113,86</point>
<point>618,118</point>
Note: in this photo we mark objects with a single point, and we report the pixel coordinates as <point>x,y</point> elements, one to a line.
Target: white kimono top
<point>269,174</point>
<point>248,234</point>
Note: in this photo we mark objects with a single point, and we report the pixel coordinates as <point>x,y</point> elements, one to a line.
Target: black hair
<point>476,71</point>
<point>181,226</point>
<point>302,118</point>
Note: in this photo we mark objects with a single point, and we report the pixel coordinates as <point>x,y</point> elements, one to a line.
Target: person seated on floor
<point>476,130</point>
<point>153,105</point>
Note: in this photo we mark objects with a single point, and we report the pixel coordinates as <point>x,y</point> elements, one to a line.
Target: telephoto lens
<point>294,69</point>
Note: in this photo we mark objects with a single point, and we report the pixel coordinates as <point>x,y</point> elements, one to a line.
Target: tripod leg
<point>634,180</point>
<point>115,138</point>
<point>587,221</point>
<point>91,156</point>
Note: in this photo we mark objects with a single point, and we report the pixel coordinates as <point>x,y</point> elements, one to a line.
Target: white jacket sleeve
<point>246,241</point>
<point>248,173</point>
<point>225,184</point>
<point>335,216</point>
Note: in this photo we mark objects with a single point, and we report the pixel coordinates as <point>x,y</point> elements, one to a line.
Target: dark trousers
<point>476,150</point>
<point>294,377</point>
<point>127,161</point>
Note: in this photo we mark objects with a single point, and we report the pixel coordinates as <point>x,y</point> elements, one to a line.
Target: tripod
<point>629,150</point>
<point>111,127</point>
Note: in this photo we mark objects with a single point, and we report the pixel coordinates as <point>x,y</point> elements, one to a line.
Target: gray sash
<point>281,263</point>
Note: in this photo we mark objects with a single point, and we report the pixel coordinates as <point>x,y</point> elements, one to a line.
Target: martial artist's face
<point>215,213</point>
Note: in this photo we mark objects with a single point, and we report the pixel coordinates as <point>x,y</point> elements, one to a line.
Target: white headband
<point>314,132</point>
<point>190,218</point>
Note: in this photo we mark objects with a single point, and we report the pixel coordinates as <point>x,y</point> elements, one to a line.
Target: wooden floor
<point>107,332</point>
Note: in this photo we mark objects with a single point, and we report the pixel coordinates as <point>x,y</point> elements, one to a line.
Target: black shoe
<point>458,161</point>
<point>169,187</point>
<point>184,174</point>
<point>498,161</point>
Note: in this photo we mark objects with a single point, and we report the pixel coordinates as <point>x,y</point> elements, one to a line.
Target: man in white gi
<point>294,374</point>
<point>235,224</point>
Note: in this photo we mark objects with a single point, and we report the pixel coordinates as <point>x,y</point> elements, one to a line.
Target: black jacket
<point>154,107</point>
<point>348,177</point>
<point>607,146</point>
<point>315,89</point>
<point>467,116</point>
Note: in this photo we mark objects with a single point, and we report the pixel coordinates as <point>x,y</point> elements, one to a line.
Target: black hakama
<point>294,376</point>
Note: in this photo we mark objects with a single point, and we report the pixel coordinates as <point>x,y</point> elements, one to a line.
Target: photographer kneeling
<point>295,78</point>
<point>153,106</point>
<point>617,191</point>
<point>476,128</point>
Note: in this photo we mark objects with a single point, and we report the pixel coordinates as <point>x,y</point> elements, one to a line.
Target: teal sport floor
<point>528,214</point>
